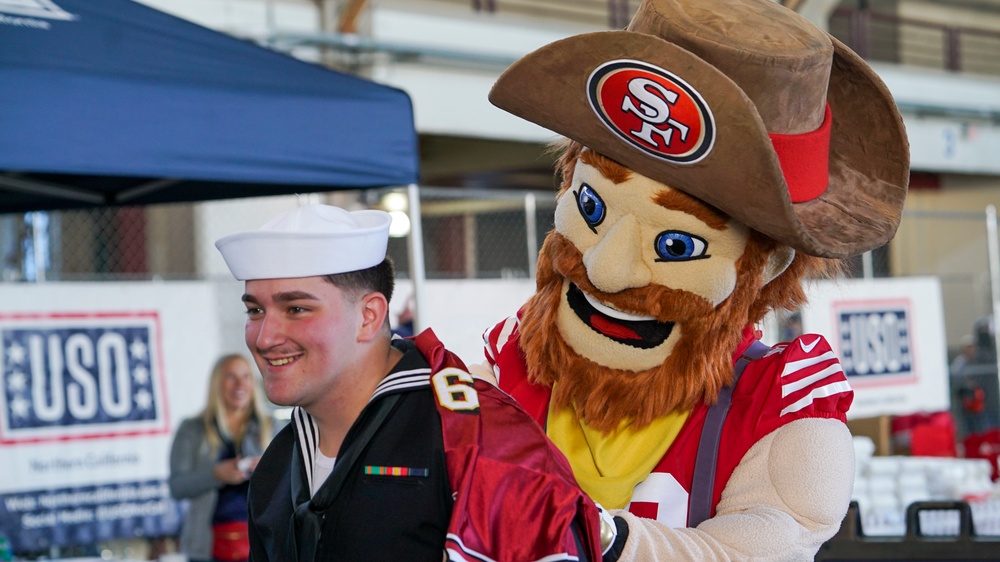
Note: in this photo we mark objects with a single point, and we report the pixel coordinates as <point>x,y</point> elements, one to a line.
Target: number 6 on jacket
<point>455,391</point>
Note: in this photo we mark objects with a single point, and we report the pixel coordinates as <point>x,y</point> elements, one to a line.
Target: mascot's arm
<point>788,496</point>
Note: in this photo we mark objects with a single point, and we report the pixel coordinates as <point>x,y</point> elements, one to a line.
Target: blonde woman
<point>211,459</point>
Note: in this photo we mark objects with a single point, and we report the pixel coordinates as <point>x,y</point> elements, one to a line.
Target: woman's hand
<point>248,464</point>
<point>228,472</point>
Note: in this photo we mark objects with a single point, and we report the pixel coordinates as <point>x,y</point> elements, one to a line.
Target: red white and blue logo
<point>876,342</point>
<point>78,376</point>
<point>653,110</point>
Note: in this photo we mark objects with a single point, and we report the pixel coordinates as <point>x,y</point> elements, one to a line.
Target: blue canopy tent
<point>111,102</point>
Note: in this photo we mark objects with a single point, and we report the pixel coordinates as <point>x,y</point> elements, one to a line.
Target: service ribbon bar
<point>397,471</point>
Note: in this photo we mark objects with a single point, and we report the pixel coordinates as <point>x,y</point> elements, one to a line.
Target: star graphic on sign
<point>140,374</point>
<point>19,407</point>
<point>143,399</point>
<point>137,349</point>
<point>17,382</point>
<point>16,353</point>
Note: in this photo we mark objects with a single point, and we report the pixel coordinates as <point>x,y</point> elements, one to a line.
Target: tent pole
<point>38,245</point>
<point>21,185</point>
<point>993,249</point>
<point>416,250</point>
<point>532,234</point>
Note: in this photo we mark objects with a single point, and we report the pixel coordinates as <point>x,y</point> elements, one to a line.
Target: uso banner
<point>95,377</point>
<point>889,335</point>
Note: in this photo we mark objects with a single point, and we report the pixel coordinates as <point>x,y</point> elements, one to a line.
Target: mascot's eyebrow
<point>608,168</point>
<point>679,201</point>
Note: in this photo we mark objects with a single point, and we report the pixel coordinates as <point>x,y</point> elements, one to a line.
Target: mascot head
<point>718,152</point>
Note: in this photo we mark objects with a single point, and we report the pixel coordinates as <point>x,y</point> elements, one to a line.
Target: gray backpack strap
<point>703,483</point>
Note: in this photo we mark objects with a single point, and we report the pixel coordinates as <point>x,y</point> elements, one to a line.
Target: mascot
<point>718,154</point>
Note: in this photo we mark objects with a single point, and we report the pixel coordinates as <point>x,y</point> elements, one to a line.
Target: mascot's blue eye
<point>590,204</point>
<point>674,245</point>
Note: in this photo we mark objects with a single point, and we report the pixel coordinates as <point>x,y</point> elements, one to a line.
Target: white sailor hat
<point>310,241</point>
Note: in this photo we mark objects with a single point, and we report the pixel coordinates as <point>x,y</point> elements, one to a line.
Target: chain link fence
<point>104,244</point>
<point>467,234</point>
<point>476,234</point>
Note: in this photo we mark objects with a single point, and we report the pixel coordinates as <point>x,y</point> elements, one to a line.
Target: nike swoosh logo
<point>808,347</point>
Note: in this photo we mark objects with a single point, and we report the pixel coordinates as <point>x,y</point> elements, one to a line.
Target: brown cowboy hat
<point>743,104</point>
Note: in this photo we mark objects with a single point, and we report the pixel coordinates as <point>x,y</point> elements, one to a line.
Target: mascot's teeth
<point>616,314</point>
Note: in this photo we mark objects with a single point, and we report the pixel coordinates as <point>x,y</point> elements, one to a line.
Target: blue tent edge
<point>248,116</point>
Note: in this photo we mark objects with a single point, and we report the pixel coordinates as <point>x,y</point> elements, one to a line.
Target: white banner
<point>95,378</point>
<point>889,335</point>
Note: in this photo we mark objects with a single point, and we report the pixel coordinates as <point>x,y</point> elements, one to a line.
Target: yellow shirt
<point>608,467</point>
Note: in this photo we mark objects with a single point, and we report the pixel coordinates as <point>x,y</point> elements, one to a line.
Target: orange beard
<point>699,365</point>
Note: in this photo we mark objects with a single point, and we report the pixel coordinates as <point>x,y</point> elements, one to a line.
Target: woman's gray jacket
<point>191,478</point>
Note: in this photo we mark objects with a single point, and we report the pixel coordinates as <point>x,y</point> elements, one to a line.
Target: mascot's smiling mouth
<point>643,332</point>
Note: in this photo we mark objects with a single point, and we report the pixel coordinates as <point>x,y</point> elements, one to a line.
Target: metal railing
<point>878,36</point>
<point>873,34</point>
<point>614,13</point>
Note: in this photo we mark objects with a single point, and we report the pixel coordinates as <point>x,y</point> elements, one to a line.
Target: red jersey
<point>492,449</point>
<point>794,380</point>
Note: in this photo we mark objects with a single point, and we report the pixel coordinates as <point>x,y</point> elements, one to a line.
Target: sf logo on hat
<point>653,110</point>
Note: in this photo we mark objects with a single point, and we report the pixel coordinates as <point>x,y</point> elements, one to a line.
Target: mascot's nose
<point>616,263</point>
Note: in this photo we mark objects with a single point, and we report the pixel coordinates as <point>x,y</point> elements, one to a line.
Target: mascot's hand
<point>484,372</point>
<point>614,531</point>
